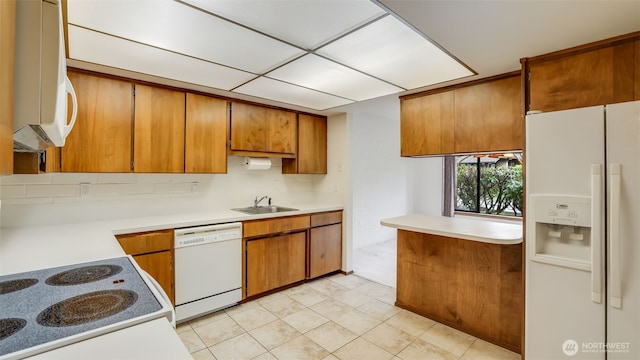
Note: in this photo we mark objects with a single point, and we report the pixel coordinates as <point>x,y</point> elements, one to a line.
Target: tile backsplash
<point>69,197</point>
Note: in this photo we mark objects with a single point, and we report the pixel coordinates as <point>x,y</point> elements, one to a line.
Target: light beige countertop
<point>482,230</point>
<point>39,247</point>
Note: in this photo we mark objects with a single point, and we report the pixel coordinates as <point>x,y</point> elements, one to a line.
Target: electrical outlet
<point>84,190</point>
<point>194,187</point>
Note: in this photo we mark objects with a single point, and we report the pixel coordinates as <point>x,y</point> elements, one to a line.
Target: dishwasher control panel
<point>207,234</point>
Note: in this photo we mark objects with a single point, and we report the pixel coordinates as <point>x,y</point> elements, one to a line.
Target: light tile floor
<point>336,317</point>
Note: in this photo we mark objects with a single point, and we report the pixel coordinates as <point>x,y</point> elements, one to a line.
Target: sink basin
<point>253,210</point>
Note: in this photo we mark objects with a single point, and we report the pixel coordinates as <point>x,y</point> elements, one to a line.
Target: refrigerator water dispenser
<point>561,230</point>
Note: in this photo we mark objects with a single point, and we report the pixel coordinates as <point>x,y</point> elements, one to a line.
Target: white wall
<point>427,185</point>
<point>379,177</point>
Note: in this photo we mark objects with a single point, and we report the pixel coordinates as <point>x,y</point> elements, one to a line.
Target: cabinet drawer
<point>326,218</point>
<point>142,243</point>
<point>274,226</point>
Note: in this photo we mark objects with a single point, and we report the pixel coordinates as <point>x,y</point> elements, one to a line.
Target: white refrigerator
<point>582,269</point>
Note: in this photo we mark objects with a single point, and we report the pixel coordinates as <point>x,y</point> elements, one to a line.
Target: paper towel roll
<point>257,163</point>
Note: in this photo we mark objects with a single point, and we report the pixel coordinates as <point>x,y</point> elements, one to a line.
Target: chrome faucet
<point>257,201</point>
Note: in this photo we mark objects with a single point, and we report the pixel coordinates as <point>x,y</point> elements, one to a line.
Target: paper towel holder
<point>252,163</point>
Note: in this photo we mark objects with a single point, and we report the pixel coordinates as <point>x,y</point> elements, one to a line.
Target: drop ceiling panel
<point>173,26</point>
<point>94,47</point>
<point>317,73</point>
<point>291,94</point>
<point>390,50</point>
<point>307,24</point>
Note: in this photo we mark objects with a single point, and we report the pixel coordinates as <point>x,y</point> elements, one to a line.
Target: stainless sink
<point>254,210</point>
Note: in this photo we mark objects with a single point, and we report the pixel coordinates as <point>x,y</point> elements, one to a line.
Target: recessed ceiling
<point>315,54</point>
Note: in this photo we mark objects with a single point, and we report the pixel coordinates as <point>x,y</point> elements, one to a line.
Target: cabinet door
<point>311,157</point>
<point>274,262</point>
<point>427,125</point>
<point>206,134</point>
<point>282,131</point>
<point>7,53</point>
<point>160,266</point>
<point>248,127</point>
<point>636,70</point>
<point>101,138</point>
<point>597,77</point>
<point>325,250</point>
<point>159,130</point>
<point>488,116</point>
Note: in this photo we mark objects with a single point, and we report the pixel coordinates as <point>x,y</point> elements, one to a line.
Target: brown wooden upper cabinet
<point>636,71</point>
<point>311,156</point>
<point>426,124</point>
<point>258,129</point>
<point>206,134</point>
<point>159,130</point>
<point>599,73</point>
<point>480,116</point>
<point>488,116</point>
<point>101,139</point>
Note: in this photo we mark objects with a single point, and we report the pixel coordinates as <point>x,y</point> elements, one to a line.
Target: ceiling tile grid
<point>312,53</point>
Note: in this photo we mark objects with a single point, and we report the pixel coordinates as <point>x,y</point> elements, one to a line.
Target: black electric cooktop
<point>44,309</point>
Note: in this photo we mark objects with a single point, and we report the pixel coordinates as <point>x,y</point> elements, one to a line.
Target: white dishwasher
<point>208,274</point>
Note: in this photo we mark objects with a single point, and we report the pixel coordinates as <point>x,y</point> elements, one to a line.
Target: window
<point>489,184</point>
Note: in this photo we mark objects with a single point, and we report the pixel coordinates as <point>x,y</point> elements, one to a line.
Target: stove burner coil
<point>82,275</point>
<point>11,326</point>
<point>87,308</point>
<point>10,286</point>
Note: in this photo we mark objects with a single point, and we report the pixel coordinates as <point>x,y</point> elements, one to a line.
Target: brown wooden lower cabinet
<point>472,286</point>
<point>274,262</point>
<point>153,251</point>
<point>325,250</point>
<point>285,250</point>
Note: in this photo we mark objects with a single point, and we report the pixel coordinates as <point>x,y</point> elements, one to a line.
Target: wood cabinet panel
<point>101,140</point>
<point>159,130</point>
<point>312,145</point>
<point>471,286</point>
<point>248,127</point>
<point>7,54</point>
<point>261,129</point>
<point>596,77</point>
<point>142,243</point>
<point>206,134</point>
<point>326,218</point>
<point>282,131</point>
<point>160,266</point>
<point>488,116</point>
<point>275,262</point>
<point>636,71</point>
<point>153,251</point>
<point>325,250</point>
<point>427,124</point>
<point>273,226</point>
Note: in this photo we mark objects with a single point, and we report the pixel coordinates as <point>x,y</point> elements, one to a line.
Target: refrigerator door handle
<point>596,226</point>
<point>614,236</point>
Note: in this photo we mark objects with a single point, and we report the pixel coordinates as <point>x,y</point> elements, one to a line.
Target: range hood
<point>41,82</point>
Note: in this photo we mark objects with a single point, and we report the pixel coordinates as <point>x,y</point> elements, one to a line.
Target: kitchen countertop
<point>482,230</point>
<point>38,247</point>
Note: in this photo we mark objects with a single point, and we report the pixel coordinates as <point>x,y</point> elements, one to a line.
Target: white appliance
<point>49,308</point>
<point>583,233</point>
<point>208,274</point>
<point>41,82</point>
